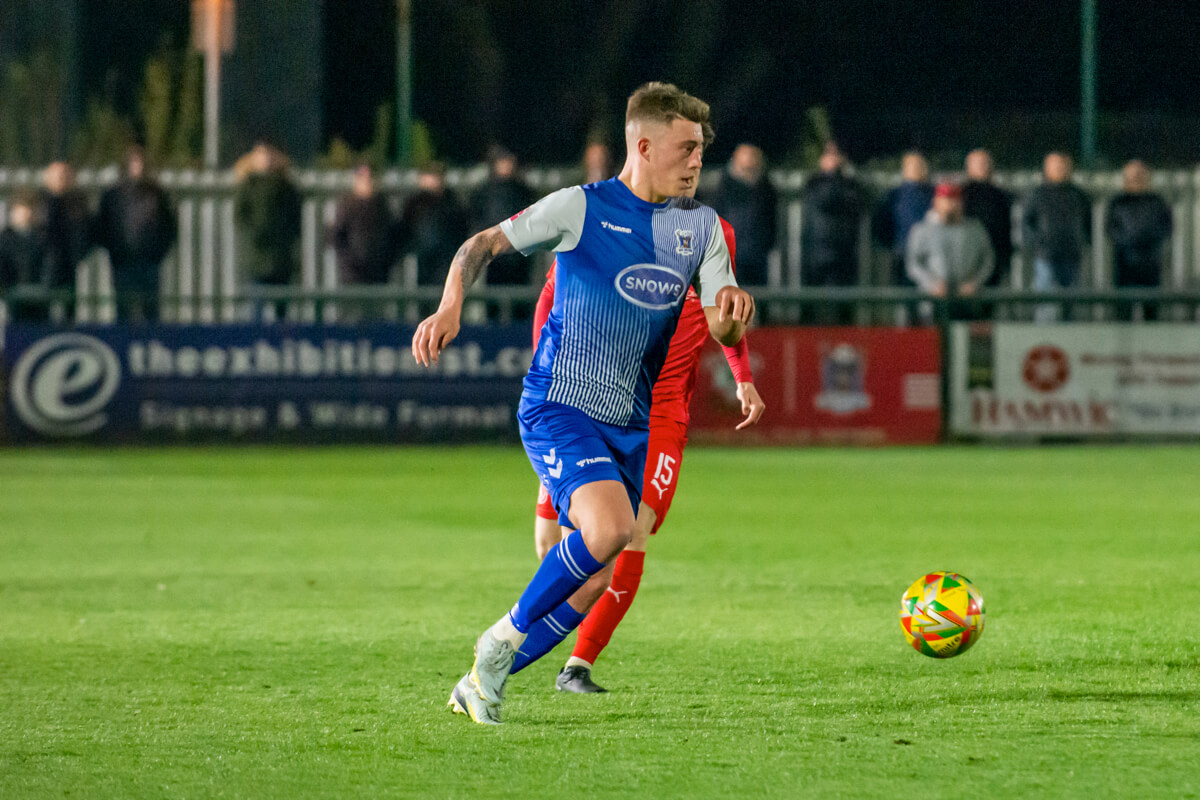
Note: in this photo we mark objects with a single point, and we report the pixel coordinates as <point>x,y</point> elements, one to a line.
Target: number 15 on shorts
<point>664,473</point>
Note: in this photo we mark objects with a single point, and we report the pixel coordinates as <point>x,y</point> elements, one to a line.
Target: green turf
<point>288,623</point>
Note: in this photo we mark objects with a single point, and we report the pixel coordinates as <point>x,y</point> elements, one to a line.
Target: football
<point>942,614</point>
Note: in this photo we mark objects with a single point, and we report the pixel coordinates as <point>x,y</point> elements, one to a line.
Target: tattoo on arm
<point>478,251</point>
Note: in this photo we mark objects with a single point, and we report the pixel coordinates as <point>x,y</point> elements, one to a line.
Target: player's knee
<point>608,536</point>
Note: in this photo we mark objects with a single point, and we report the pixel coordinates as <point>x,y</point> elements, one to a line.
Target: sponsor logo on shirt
<point>650,286</point>
<point>608,226</point>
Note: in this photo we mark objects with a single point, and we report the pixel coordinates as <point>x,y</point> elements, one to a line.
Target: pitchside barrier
<point>931,378</point>
<point>201,279</point>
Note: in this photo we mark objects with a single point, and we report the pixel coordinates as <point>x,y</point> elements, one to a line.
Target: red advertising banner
<point>868,386</point>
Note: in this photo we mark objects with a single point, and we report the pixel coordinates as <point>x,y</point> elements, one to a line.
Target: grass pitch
<point>289,623</point>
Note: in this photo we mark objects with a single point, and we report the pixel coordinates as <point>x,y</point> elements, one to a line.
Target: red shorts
<point>663,460</point>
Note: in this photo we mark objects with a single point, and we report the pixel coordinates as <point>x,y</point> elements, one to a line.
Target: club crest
<point>683,242</point>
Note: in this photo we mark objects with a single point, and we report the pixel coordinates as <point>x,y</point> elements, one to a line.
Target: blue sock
<point>545,635</point>
<point>565,568</point>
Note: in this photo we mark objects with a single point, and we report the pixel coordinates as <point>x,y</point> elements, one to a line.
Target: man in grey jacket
<point>949,255</point>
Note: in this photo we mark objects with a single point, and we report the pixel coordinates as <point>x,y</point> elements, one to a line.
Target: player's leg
<point>607,611</point>
<point>551,629</point>
<point>667,441</point>
<point>547,531</point>
<point>604,523</point>
<point>547,632</point>
<point>589,469</point>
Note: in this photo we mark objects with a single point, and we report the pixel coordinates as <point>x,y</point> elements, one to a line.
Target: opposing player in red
<point>608,594</point>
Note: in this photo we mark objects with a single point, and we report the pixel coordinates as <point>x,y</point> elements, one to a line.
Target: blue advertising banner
<point>258,383</point>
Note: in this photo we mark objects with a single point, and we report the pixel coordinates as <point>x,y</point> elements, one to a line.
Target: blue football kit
<point>624,267</point>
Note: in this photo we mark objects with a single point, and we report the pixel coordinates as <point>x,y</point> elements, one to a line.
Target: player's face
<point>676,155</point>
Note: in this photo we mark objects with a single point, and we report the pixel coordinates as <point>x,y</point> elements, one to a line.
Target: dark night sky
<point>539,74</point>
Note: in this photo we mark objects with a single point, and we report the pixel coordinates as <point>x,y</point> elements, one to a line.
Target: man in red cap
<point>949,255</point>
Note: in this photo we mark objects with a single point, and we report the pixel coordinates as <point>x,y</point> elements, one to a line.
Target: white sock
<point>504,629</point>
<point>575,661</point>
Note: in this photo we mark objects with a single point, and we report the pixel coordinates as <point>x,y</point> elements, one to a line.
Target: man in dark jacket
<point>1139,224</point>
<point>749,203</point>
<point>267,208</point>
<point>985,201</point>
<point>433,225</point>
<point>503,195</point>
<point>22,259</point>
<point>136,225</point>
<point>364,234</point>
<point>832,204</point>
<point>365,237</point>
<point>68,227</point>
<point>1057,223</point>
<point>902,208</point>
<point>832,209</point>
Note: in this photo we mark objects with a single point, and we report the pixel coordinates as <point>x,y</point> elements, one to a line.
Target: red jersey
<point>673,389</point>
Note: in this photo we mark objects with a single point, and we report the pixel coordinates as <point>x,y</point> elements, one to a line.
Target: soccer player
<point>609,597</point>
<point>628,248</point>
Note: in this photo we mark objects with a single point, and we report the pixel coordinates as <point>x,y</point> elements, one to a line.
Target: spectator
<point>832,205</point>
<point>433,225</point>
<point>985,201</point>
<point>1139,224</point>
<point>364,233</point>
<point>22,259</point>
<point>902,208</point>
<point>136,225</point>
<point>267,208</point>
<point>68,227</point>
<point>748,202</point>
<point>949,255</point>
<point>832,208</point>
<point>365,237</point>
<point>1057,224</point>
<point>597,163</point>
<point>503,195</point>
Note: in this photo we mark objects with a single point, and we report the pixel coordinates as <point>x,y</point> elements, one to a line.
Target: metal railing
<point>201,281</point>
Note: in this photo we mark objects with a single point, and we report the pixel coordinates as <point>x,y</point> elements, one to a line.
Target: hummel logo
<point>587,462</point>
<point>615,228</point>
<point>556,470</point>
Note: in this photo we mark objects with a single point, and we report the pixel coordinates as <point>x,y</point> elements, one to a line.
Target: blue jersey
<point>624,268</point>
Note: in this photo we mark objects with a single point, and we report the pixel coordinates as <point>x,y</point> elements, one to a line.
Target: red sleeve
<point>738,356</point>
<point>544,304</point>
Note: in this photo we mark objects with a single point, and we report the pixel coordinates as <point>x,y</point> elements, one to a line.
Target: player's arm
<point>439,329</point>
<point>753,406</point>
<point>727,308</point>
<point>738,356</point>
<point>554,222</point>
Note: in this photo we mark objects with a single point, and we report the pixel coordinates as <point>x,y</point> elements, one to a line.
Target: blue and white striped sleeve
<point>553,223</point>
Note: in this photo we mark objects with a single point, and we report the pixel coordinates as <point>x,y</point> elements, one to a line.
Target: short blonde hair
<point>665,103</point>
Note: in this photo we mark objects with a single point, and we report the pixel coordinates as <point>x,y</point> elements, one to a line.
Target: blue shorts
<point>568,449</point>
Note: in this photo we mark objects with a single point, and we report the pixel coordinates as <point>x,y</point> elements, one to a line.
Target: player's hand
<point>938,289</point>
<point>434,333</point>
<point>968,289</point>
<point>736,304</point>
<point>752,405</point>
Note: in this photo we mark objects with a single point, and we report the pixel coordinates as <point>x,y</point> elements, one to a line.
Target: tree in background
<point>31,128</point>
<point>169,118</point>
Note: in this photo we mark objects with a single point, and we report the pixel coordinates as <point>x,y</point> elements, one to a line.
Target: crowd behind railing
<point>266,242</point>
